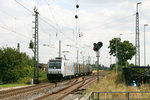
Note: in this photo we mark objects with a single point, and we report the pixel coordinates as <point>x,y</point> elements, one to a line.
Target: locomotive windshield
<point>55,64</point>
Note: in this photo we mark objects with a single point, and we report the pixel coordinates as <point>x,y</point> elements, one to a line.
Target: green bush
<point>10,76</point>
<point>25,80</point>
<point>42,76</point>
<point>26,72</point>
<point>14,65</point>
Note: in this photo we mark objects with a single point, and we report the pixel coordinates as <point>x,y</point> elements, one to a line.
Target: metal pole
<point>76,17</point>
<point>36,49</point>
<point>128,95</point>
<point>77,55</point>
<point>83,59</point>
<point>144,46</point>
<point>59,48</point>
<point>18,47</point>
<point>116,57</point>
<point>137,40</point>
<point>110,60</point>
<point>97,55</point>
<point>98,96</point>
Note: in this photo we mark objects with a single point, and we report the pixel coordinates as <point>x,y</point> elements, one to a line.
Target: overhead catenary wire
<point>13,31</point>
<point>77,2</point>
<point>36,3</point>
<point>50,10</point>
<point>120,19</point>
<point>22,35</point>
<point>24,7</point>
<point>42,29</point>
<point>57,22</point>
<point>40,17</point>
<point>7,14</point>
<point>60,17</point>
<point>71,40</point>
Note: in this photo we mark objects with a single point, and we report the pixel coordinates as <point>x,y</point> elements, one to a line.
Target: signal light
<point>95,49</point>
<point>76,16</point>
<point>100,44</point>
<point>97,46</point>
<point>77,6</point>
<point>31,44</point>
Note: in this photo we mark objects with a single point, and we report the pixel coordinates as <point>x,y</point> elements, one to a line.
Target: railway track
<point>66,90</point>
<point>29,92</point>
<point>47,91</point>
<point>6,92</point>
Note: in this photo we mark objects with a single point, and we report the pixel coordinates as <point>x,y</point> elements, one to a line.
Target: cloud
<point>99,20</point>
<point>106,1</point>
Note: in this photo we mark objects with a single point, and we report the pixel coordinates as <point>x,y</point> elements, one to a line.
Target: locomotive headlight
<point>59,72</point>
<point>49,72</point>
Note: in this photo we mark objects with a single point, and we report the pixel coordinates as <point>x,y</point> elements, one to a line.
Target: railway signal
<point>97,46</point>
<point>31,44</point>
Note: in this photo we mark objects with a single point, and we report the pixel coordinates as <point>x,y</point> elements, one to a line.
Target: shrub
<point>10,76</point>
<point>14,65</point>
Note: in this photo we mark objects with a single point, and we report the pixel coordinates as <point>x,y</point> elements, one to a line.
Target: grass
<point>113,82</point>
<point>11,85</point>
<point>26,81</point>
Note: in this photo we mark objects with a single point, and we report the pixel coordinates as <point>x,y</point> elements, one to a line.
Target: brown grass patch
<point>113,82</point>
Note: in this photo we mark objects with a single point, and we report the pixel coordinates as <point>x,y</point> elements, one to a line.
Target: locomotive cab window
<point>55,64</point>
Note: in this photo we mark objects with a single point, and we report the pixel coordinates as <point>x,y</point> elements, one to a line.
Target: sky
<point>98,20</point>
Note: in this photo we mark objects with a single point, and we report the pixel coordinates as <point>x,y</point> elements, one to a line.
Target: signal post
<point>96,49</point>
<point>97,55</point>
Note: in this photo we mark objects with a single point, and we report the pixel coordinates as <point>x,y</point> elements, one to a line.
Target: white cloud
<point>99,20</point>
<point>107,1</point>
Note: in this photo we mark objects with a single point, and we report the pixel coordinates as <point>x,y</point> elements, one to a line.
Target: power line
<point>14,32</point>
<point>7,14</point>
<point>24,7</point>
<point>48,23</point>
<point>56,21</point>
<point>63,35</point>
<point>33,13</point>
<point>40,17</point>
<point>52,14</point>
<point>60,17</point>
<point>36,3</point>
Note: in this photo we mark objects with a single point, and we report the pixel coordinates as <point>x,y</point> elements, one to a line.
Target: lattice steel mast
<point>137,38</point>
<point>36,49</point>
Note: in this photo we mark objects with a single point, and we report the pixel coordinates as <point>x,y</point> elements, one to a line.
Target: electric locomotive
<point>60,68</point>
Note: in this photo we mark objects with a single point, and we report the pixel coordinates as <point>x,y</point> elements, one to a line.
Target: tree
<point>14,65</point>
<point>123,50</point>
